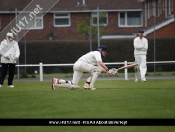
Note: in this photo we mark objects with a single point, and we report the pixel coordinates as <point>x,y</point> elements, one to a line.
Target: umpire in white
<point>140,52</point>
<point>9,51</point>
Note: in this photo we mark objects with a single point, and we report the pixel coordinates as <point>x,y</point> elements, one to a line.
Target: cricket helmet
<point>102,48</point>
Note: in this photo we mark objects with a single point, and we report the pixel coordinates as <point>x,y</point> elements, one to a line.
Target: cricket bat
<point>128,66</point>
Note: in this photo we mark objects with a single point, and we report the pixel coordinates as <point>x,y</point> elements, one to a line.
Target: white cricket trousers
<point>80,67</point>
<point>141,69</point>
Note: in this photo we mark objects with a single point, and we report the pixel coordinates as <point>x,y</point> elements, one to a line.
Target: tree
<point>83,26</point>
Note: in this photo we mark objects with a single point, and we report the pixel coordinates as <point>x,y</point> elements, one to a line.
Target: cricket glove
<point>112,72</point>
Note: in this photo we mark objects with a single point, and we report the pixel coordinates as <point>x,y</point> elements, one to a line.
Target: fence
<point>41,65</point>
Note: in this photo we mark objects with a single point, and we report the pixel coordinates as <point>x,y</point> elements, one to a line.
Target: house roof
<point>93,4</point>
<point>75,5</point>
<point>10,5</point>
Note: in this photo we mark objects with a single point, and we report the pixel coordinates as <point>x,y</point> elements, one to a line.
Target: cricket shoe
<point>73,87</point>
<point>136,80</point>
<point>87,86</point>
<point>54,81</point>
<point>144,80</point>
<point>11,86</point>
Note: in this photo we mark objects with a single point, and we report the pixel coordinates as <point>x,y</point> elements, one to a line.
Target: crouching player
<point>90,62</point>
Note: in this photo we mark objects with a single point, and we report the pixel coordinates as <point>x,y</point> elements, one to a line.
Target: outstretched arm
<point>104,68</point>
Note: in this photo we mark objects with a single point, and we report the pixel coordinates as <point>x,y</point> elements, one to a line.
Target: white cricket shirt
<point>92,57</point>
<point>140,46</point>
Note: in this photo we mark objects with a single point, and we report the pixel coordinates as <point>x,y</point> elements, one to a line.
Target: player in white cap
<point>9,51</point>
<point>140,52</point>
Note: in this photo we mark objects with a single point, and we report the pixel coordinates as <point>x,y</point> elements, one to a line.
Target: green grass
<point>111,99</point>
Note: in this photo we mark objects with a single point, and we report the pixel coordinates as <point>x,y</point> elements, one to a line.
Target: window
<point>171,5</point>
<point>166,13</point>
<point>152,8</point>
<point>130,19</point>
<point>0,22</point>
<point>148,10</point>
<point>163,5</point>
<point>103,18</point>
<point>160,8</point>
<point>27,21</point>
<point>62,20</point>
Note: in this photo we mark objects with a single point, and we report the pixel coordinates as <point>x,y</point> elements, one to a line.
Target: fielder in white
<point>140,52</point>
<point>90,62</point>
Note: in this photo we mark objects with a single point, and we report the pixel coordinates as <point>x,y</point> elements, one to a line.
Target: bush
<point>160,69</point>
<point>120,50</point>
<point>33,76</point>
<point>24,75</point>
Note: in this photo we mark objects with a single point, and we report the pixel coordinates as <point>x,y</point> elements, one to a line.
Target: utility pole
<point>98,26</point>
<point>154,37</point>
<point>16,11</point>
<point>90,34</point>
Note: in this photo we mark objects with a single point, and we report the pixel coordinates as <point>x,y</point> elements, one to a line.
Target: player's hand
<point>16,58</point>
<point>112,72</point>
<point>7,57</point>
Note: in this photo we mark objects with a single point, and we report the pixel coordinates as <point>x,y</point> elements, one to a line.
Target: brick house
<point>122,17</point>
<point>160,13</point>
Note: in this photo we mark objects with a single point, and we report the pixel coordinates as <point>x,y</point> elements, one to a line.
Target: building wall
<point>61,33</point>
<point>167,31</point>
<point>5,20</point>
<point>70,33</point>
<point>114,29</point>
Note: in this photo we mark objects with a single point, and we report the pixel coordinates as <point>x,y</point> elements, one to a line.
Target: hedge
<point>119,50</point>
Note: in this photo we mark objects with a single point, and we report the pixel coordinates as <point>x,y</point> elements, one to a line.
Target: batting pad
<point>72,87</point>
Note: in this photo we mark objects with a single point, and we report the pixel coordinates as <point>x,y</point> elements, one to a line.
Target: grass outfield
<point>111,99</point>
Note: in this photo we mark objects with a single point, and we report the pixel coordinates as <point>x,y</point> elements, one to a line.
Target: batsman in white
<point>140,52</point>
<point>90,62</point>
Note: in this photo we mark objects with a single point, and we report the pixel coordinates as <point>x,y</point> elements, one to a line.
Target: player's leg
<point>137,69</point>
<point>4,69</point>
<point>92,79</point>
<point>81,67</point>
<point>143,68</point>
<point>61,83</point>
<point>11,75</point>
<point>78,72</point>
<point>76,77</point>
<point>87,83</point>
